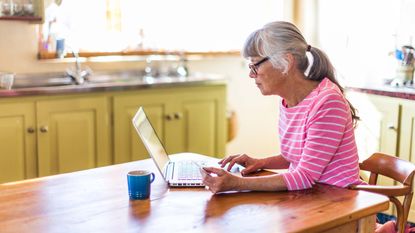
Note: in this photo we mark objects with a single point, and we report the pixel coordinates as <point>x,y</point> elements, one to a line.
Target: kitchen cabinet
<point>73,134</point>
<point>407,140</point>
<point>45,137</point>
<point>407,132</point>
<point>17,141</point>
<point>387,125</point>
<point>41,136</point>
<point>377,130</point>
<point>185,119</point>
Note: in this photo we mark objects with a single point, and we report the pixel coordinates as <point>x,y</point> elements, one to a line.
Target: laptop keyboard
<point>187,170</point>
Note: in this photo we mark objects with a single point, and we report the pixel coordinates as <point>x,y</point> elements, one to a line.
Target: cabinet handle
<point>30,130</point>
<point>177,115</point>
<point>392,127</point>
<point>169,117</point>
<point>44,129</point>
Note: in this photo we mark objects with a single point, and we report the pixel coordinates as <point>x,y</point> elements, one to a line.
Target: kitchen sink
<point>63,79</point>
<point>111,77</point>
<point>97,78</point>
<point>41,80</point>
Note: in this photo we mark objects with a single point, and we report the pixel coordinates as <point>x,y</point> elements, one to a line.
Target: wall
<point>361,37</point>
<point>257,114</point>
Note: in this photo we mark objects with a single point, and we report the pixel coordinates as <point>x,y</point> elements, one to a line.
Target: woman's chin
<point>263,92</point>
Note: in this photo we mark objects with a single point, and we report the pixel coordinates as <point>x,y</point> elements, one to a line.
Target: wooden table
<point>96,200</point>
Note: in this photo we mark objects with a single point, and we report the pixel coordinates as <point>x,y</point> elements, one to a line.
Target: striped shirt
<point>317,138</point>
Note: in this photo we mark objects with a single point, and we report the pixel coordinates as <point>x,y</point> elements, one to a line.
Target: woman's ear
<point>291,62</point>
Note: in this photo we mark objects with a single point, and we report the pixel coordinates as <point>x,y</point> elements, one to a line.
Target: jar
<point>7,7</point>
<point>405,73</point>
<point>28,9</point>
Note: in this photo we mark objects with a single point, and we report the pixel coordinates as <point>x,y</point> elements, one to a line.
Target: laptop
<point>181,173</point>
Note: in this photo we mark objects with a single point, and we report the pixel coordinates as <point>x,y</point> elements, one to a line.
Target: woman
<point>316,124</point>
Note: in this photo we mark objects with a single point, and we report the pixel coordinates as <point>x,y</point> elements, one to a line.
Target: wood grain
<point>96,200</point>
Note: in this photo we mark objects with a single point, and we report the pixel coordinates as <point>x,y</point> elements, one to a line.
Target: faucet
<point>78,75</point>
<point>182,70</point>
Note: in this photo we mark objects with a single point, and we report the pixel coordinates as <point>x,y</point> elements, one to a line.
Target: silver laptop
<point>183,173</point>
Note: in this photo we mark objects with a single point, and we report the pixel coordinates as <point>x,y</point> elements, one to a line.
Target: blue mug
<point>139,184</point>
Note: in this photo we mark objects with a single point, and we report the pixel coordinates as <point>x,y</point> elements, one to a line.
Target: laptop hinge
<point>169,171</point>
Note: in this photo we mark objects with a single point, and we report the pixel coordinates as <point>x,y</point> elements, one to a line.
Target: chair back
<point>400,171</point>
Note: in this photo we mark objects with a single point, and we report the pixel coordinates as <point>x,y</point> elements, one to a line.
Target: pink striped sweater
<point>317,138</point>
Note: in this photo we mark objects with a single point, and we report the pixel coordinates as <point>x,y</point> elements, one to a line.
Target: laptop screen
<point>150,140</point>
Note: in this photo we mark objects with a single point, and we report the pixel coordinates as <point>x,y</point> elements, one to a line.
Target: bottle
<point>7,8</point>
<point>60,48</point>
<point>28,8</point>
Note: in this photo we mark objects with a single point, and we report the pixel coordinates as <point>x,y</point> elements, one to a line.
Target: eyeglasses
<point>254,66</point>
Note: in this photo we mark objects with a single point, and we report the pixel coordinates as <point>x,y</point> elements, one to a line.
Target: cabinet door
<point>407,133</point>
<point>73,134</point>
<point>127,144</point>
<point>407,140</point>
<point>17,141</point>
<point>389,114</point>
<point>198,115</point>
<point>190,119</point>
<point>377,131</point>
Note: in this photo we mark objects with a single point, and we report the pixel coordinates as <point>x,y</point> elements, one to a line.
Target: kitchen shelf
<point>36,18</point>
<point>22,18</point>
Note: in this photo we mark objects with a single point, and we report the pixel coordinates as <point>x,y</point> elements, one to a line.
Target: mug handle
<point>152,177</point>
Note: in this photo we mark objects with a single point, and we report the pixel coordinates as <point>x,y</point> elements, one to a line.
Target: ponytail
<point>322,68</point>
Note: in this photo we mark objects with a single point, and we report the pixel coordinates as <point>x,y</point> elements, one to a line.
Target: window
<point>360,37</point>
<point>124,25</point>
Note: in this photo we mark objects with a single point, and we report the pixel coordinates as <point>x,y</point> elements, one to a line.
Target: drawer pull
<point>169,117</point>
<point>177,115</point>
<point>44,129</point>
<point>392,127</point>
<point>30,130</point>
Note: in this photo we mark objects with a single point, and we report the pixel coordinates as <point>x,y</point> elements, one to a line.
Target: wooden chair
<point>397,169</point>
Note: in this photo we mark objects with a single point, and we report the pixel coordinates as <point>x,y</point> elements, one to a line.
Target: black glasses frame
<point>254,66</point>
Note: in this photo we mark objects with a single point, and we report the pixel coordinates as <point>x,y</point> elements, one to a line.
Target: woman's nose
<point>252,75</point>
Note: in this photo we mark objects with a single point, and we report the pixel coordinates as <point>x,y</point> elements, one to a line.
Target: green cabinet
<point>387,125</point>
<point>407,140</point>
<point>17,141</point>
<point>40,137</point>
<point>407,132</point>
<point>185,119</point>
<point>74,134</point>
<point>378,129</point>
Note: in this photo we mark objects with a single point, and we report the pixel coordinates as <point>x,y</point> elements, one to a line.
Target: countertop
<point>131,83</point>
<point>385,90</point>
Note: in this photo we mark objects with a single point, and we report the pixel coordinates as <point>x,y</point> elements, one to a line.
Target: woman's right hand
<point>250,164</point>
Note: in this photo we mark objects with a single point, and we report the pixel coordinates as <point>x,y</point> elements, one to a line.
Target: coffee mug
<point>139,184</point>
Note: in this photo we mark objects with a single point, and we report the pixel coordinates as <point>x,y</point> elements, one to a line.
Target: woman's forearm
<point>275,162</point>
<point>262,183</point>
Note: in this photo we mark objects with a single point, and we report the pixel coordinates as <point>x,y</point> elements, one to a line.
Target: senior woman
<point>316,123</point>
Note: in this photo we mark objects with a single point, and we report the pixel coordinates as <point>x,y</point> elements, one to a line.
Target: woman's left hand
<point>223,181</point>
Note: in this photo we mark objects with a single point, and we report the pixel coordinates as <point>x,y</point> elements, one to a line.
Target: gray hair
<point>276,39</point>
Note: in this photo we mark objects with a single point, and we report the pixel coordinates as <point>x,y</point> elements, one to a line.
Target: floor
<point>382,218</point>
